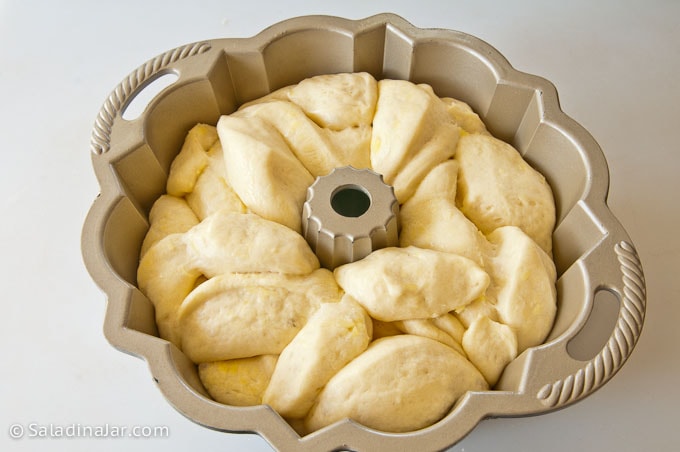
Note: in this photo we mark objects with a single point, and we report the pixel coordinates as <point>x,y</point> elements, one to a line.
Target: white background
<point>616,65</point>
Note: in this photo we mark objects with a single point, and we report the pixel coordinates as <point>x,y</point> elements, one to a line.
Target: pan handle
<point>613,265</point>
<point>132,85</point>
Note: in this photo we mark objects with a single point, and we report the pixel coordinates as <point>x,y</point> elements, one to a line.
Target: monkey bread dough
<point>391,341</point>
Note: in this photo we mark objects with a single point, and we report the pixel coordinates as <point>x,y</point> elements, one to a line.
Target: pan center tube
<point>348,214</point>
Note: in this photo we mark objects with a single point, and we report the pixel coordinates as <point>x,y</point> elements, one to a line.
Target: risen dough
<point>332,337</point>
<point>236,315</point>
<point>490,346</point>
<point>338,101</point>
<point>427,328</point>
<point>411,283</point>
<point>524,277</point>
<point>237,288</point>
<point>191,160</point>
<point>314,146</point>
<point>263,171</point>
<point>412,133</point>
<point>171,268</point>
<point>464,116</point>
<point>496,187</point>
<point>399,384</point>
<point>169,215</point>
<point>211,192</point>
<point>430,218</point>
<point>238,382</point>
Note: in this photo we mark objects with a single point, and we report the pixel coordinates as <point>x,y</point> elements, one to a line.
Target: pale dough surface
<point>238,382</point>
<point>399,384</point>
<point>393,340</point>
<point>412,283</point>
<point>333,336</point>
<point>237,315</point>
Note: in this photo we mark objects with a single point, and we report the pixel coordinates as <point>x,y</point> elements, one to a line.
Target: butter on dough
<point>464,116</point>
<point>334,335</point>
<point>490,346</point>
<point>411,283</point>
<point>326,120</point>
<point>166,275</point>
<point>171,267</point>
<point>430,218</point>
<point>497,187</point>
<point>399,384</point>
<point>313,145</point>
<point>523,277</point>
<point>263,171</point>
<point>169,215</point>
<point>238,382</point>
<point>198,174</point>
<point>427,328</point>
<point>239,315</point>
<point>484,306</point>
<point>238,289</point>
<point>412,133</point>
<point>211,192</point>
<point>450,325</point>
<point>254,244</point>
<point>191,160</point>
<point>337,101</point>
<point>520,299</point>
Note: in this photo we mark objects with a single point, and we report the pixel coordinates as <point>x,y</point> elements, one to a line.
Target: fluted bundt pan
<point>593,254</point>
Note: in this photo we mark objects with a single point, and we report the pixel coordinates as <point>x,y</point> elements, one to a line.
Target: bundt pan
<point>600,288</point>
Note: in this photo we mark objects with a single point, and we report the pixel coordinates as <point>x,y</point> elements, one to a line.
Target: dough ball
<point>497,187</point>
<point>238,315</point>
<point>334,335</point>
<point>523,277</point>
<point>263,171</point>
<point>191,160</point>
<point>411,283</point>
<point>238,382</point>
<point>169,215</point>
<point>490,346</point>
<point>399,384</point>
<point>412,133</point>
